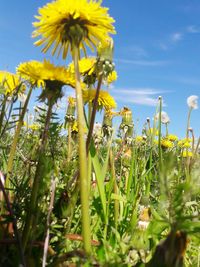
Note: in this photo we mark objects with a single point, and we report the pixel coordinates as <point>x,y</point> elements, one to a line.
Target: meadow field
<point>77,192</point>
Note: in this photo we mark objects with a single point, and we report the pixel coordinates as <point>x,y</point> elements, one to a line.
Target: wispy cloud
<point>137,51</point>
<point>176,37</point>
<point>140,96</point>
<point>143,63</point>
<point>188,81</point>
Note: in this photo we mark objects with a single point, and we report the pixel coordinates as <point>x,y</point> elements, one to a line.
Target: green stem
<point>32,212</point>
<point>2,112</point>
<point>87,148</point>
<point>116,191</point>
<point>7,119</point>
<point>83,166</point>
<point>69,152</point>
<point>16,138</point>
<point>187,136</point>
<point>94,110</point>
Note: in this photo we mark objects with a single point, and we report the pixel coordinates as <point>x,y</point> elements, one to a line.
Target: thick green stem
<point>32,211</point>
<point>16,138</point>
<point>89,156</point>
<point>83,166</point>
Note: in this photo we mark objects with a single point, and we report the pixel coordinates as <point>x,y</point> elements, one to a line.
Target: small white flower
<point>164,117</point>
<point>192,101</point>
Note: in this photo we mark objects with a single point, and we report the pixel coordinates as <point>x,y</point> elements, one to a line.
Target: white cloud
<point>176,37</point>
<point>140,96</point>
<point>143,63</point>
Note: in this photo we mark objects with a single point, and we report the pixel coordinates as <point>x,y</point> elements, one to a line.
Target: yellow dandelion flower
<point>104,100</point>
<point>34,127</point>
<point>71,101</point>
<point>112,77</point>
<point>10,82</point>
<point>185,143</point>
<point>75,127</point>
<point>64,23</point>
<point>31,71</point>
<point>38,73</point>
<point>139,139</point>
<point>172,137</point>
<point>86,65</point>
<point>166,143</point>
<point>186,154</point>
<point>57,73</point>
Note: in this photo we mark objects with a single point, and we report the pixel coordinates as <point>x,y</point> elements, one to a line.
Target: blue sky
<point>157,52</point>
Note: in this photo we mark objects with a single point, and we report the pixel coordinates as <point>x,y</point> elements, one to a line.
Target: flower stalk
<point>93,115</point>
<point>86,232</point>
<point>16,138</point>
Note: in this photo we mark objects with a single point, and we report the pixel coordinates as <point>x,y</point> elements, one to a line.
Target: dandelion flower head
<point>105,100</point>
<point>39,72</point>
<point>166,143</point>
<point>86,65</point>
<point>164,117</point>
<point>192,101</point>
<point>63,23</point>
<point>185,143</point>
<point>186,154</point>
<point>172,137</point>
<point>112,77</point>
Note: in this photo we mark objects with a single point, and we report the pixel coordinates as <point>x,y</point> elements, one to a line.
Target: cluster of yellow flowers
<point>185,143</point>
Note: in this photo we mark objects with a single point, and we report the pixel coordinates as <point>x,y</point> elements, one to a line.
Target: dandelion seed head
<point>192,101</point>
